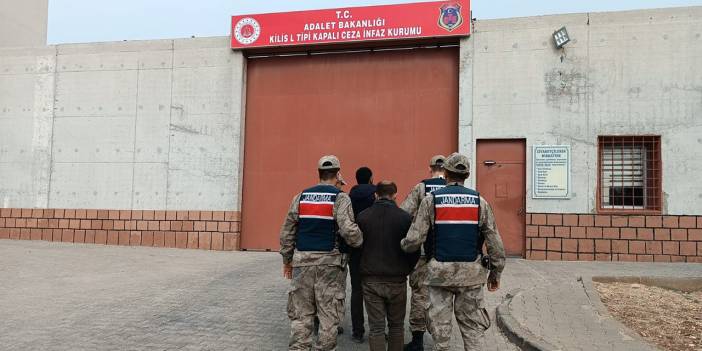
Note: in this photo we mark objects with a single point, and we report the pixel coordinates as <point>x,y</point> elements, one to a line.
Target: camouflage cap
<point>457,163</point>
<point>329,162</point>
<point>437,160</point>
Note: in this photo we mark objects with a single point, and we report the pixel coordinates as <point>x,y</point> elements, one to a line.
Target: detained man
<point>362,197</point>
<point>384,268</point>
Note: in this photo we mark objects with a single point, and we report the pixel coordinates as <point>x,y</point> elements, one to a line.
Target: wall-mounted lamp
<point>561,37</point>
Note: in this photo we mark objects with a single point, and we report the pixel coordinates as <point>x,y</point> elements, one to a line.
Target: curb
<point>515,332</point>
<point>682,284</point>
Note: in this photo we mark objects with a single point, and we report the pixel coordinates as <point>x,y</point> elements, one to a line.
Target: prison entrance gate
<point>390,110</point>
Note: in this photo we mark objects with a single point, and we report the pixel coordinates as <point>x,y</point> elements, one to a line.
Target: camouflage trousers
<point>316,291</point>
<point>419,299</point>
<point>467,304</point>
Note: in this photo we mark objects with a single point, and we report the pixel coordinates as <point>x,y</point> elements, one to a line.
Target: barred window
<point>630,173</point>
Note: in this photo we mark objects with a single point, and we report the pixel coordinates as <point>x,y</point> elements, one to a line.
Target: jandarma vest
<point>316,228</point>
<point>433,184</point>
<point>455,236</point>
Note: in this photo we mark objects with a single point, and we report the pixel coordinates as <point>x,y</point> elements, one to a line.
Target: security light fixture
<point>561,37</point>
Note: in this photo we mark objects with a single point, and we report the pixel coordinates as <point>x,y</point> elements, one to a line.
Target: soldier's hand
<point>493,285</point>
<point>287,271</point>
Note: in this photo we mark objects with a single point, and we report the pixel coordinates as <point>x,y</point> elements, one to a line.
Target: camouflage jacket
<point>457,273</point>
<point>411,203</point>
<point>349,231</point>
<point>414,198</point>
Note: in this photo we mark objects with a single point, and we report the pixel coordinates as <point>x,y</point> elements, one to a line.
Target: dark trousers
<point>385,301</point>
<point>357,319</point>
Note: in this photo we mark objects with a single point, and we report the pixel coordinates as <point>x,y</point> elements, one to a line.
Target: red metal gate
<point>388,110</point>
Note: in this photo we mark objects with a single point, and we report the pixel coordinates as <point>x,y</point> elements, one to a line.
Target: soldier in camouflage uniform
<point>318,220</point>
<point>419,299</point>
<point>453,223</point>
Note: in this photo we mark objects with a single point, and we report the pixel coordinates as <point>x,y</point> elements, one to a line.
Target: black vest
<point>455,236</point>
<point>316,228</point>
<point>433,184</point>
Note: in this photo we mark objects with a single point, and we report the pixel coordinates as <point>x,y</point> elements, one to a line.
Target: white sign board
<point>550,171</point>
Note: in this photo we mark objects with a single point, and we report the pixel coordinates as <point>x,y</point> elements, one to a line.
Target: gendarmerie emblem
<point>450,16</point>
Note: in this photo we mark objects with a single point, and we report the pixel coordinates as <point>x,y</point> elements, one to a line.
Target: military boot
<point>417,343</point>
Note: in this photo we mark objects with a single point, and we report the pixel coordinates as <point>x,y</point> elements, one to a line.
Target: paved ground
<point>57,296</point>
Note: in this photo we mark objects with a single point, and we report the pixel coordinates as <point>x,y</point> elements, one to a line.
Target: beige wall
<point>23,23</point>
<point>124,125</point>
<point>158,124</point>
<point>623,73</point>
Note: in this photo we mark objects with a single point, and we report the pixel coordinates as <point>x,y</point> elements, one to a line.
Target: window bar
<point>630,172</point>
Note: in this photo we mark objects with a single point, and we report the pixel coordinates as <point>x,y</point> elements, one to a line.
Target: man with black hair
<point>453,223</point>
<point>319,219</point>
<point>362,196</point>
<point>384,268</point>
<point>418,302</point>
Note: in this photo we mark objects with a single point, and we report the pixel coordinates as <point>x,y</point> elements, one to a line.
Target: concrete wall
<point>23,23</point>
<point>624,73</point>
<point>157,124</point>
<point>125,125</point>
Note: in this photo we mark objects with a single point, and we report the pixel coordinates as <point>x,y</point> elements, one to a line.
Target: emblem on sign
<point>247,31</point>
<point>450,16</point>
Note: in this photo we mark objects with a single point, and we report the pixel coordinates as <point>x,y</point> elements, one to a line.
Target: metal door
<point>501,180</point>
<point>388,110</point>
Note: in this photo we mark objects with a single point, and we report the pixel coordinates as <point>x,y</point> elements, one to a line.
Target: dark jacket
<point>362,196</point>
<point>384,225</point>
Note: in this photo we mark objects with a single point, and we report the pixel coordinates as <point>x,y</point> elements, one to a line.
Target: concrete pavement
<point>58,296</point>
